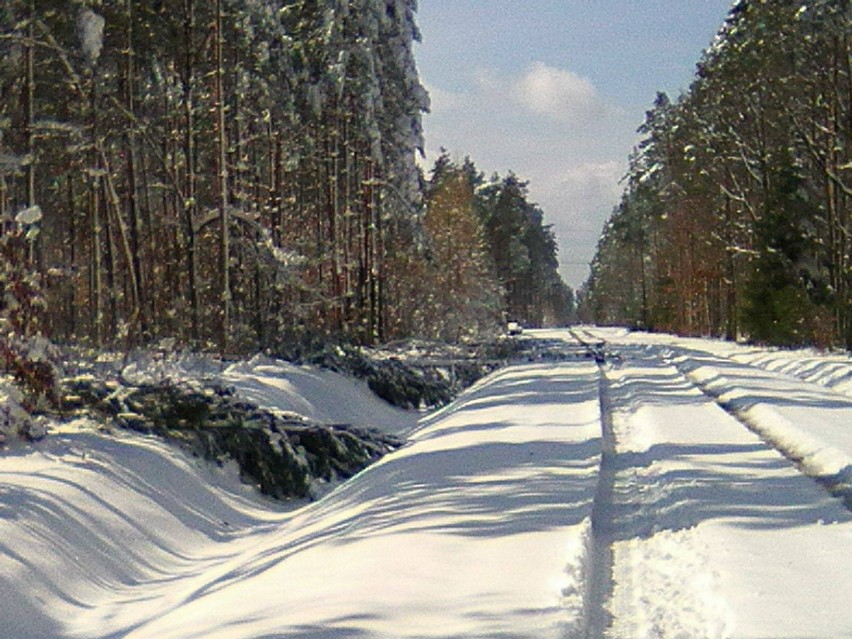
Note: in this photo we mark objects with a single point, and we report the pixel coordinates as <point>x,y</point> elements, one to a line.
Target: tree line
<point>241,174</point>
<point>735,219</point>
<point>492,253</point>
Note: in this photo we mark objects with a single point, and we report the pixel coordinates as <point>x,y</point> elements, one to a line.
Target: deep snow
<point>719,536</point>
<point>485,525</point>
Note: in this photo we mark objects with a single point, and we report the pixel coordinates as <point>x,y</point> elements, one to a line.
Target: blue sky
<point>554,90</point>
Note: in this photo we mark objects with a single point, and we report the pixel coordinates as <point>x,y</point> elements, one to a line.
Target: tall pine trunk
<point>189,204</point>
<point>222,157</point>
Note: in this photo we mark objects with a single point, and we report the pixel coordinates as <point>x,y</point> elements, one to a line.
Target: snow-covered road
<point>642,497</point>
<point>715,534</point>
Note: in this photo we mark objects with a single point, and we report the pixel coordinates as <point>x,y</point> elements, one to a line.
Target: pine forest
<point>737,211</point>
<point>238,175</point>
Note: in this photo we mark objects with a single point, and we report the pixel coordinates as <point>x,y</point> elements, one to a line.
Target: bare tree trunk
<point>366,261</point>
<point>29,107</point>
<point>223,181</point>
<point>139,281</point>
<point>333,211</point>
<point>29,129</point>
<point>96,286</point>
<point>379,273</point>
<point>71,259</point>
<point>131,258</point>
<point>111,261</point>
<point>189,205</point>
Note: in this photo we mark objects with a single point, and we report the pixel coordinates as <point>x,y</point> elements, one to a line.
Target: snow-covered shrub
<point>29,363</point>
<point>24,357</point>
<point>415,374</point>
<point>408,387</point>
<point>15,421</point>
<point>284,456</point>
<point>22,303</point>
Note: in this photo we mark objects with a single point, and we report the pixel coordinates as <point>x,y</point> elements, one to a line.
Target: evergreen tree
<point>231,173</point>
<point>740,190</point>
<point>781,293</point>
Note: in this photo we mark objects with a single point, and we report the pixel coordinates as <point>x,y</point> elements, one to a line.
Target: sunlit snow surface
<point>719,536</point>
<point>479,527</point>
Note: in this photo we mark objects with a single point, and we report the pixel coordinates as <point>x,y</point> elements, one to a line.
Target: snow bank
<point>478,528</point>
<point>317,394</point>
<point>314,393</point>
<point>832,370</point>
<point>87,519</point>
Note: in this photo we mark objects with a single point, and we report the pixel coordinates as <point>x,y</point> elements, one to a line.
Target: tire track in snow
<point>625,513</point>
<point>599,579</point>
<point>662,583</point>
<point>669,577</point>
<point>598,570</point>
<point>828,467</point>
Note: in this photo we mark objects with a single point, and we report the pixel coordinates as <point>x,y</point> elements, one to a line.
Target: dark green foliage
<point>429,378</point>
<point>405,387</point>
<point>779,308</point>
<point>276,470</point>
<point>282,455</point>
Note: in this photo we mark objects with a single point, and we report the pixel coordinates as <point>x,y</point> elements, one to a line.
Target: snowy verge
<point>86,517</point>
<point>475,529</point>
<point>832,370</point>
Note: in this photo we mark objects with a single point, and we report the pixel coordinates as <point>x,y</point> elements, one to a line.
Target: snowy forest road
<point>598,491</point>
<point>627,487</point>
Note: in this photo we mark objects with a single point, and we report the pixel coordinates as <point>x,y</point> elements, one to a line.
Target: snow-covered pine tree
<point>736,245</point>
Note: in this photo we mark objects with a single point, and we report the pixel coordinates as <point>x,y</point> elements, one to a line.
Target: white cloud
<point>577,197</point>
<point>541,96</point>
<point>588,184</point>
<point>558,94</point>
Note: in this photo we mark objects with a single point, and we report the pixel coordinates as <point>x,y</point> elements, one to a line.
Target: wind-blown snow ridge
<point>314,393</point>
<point>87,519</point>
<point>781,415</point>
